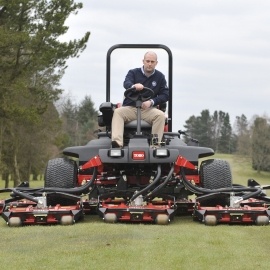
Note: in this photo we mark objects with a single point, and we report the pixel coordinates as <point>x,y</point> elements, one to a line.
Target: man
<point>146,76</point>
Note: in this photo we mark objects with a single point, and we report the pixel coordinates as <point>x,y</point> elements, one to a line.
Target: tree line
<point>32,62</point>
<point>250,139</point>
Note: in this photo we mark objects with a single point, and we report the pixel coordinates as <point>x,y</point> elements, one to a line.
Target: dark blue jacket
<point>156,82</point>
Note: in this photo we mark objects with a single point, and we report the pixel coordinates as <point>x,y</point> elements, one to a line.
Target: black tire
<point>60,173</point>
<point>215,174</point>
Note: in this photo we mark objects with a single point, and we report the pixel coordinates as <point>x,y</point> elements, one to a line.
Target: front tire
<point>60,173</point>
<point>216,174</point>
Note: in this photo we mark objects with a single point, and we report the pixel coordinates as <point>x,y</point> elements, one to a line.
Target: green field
<point>184,244</point>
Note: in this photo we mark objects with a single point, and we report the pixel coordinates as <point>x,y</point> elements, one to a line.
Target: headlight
<point>115,152</point>
<point>161,152</point>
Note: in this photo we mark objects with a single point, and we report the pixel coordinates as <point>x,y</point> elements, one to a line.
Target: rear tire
<point>60,173</point>
<point>216,174</point>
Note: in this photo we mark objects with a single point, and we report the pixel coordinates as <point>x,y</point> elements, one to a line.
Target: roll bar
<point>141,46</point>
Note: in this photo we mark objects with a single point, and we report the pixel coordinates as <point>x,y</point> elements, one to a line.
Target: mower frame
<point>140,183</point>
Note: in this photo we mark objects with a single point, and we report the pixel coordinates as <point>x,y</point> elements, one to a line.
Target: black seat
<point>133,124</point>
<point>107,109</point>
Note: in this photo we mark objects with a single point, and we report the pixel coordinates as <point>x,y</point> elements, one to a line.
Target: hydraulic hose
<point>75,190</point>
<point>149,186</point>
<point>252,194</point>
<point>25,192</point>
<point>24,195</point>
<point>155,191</point>
<point>200,190</point>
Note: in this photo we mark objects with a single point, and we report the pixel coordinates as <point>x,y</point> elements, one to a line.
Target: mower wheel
<point>15,222</point>
<point>67,220</point>
<point>60,173</point>
<point>262,220</point>
<point>215,174</point>
<point>210,220</point>
<point>110,218</point>
<point>162,219</point>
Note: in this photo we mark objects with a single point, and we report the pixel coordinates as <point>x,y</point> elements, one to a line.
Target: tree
<point>32,62</point>
<point>199,128</point>
<point>243,135</point>
<point>39,143</point>
<point>211,130</point>
<point>70,123</point>
<point>261,144</point>
<point>79,121</point>
<point>87,118</point>
<point>225,134</point>
<point>216,128</point>
<point>205,129</point>
<point>191,126</point>
<point>35,59</point>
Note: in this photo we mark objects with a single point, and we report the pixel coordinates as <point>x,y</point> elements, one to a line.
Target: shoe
<point>115,145</point>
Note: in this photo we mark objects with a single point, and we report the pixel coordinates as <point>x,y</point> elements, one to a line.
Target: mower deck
<point>28,213</point>
<point>160,212</point>
<point>244,214</point>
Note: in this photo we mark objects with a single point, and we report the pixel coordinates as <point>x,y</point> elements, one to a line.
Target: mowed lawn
<point>184,244</point>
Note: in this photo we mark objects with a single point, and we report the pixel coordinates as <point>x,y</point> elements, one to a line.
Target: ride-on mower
<point>145,181</point>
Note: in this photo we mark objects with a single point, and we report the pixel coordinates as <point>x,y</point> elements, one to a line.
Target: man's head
<point>149,62</point>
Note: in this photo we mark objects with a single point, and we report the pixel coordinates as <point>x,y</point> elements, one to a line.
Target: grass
<point>184,244</point>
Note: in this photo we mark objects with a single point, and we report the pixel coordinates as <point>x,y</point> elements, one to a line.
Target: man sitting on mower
<point>139,79</point>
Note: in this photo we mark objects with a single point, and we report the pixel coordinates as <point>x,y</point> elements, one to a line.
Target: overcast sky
<point>221,52</point>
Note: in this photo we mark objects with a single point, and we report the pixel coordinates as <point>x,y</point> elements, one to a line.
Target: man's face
<point>149,63</point>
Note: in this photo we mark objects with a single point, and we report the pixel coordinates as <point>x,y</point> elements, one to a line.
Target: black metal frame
<point>141,46</point>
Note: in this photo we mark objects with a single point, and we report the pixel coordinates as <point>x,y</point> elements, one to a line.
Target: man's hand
<point>138,86</point>
<point>146,105</point>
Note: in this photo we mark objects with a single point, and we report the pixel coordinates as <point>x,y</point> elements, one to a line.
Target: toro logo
<point>138,155</point>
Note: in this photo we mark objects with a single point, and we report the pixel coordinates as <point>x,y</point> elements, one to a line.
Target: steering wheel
<point>143,95</point>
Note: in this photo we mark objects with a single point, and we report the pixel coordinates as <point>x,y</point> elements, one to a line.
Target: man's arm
<point>129,80</point>
<point>163,93</point>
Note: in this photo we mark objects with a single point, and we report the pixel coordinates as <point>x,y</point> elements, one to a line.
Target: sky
<point>220,48</point>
